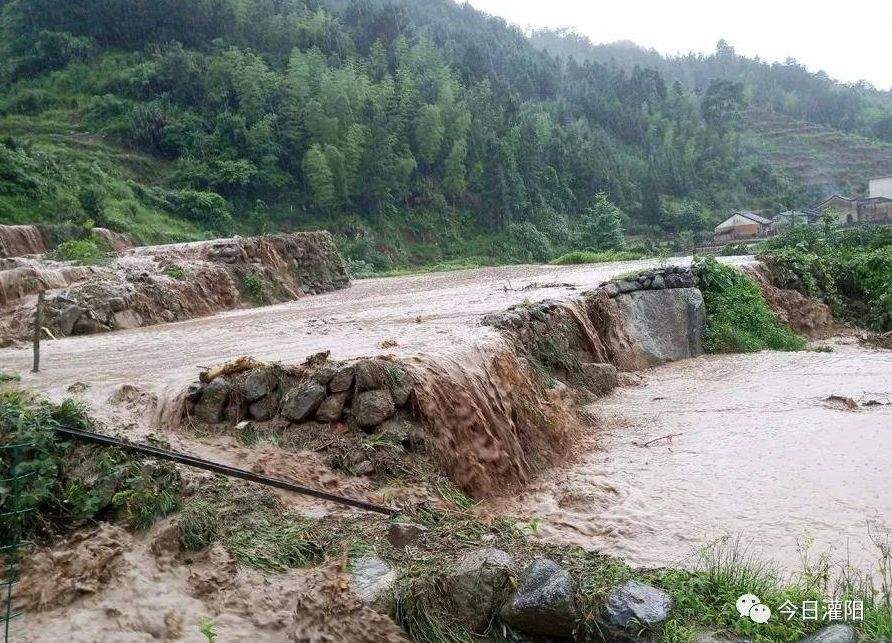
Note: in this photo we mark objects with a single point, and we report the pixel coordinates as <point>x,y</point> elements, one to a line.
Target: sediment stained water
<point>421,314</point>
<point>756,453</point>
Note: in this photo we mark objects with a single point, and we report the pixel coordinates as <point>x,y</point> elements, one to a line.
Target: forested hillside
<point>417,130</point>
<point>830,136</point>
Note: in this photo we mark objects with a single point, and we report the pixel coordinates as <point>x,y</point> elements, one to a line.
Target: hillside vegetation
<point>416,131</point>
<point>829,136</point>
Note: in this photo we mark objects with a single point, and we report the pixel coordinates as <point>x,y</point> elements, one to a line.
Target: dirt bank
<point>20,240</point>
<point>157,284</point>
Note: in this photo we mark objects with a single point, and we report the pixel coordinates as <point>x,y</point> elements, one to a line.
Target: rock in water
<point>643,603</point>
<point>213,401</point>
<point>544,602</point>
<point>666,325</point>
<point>478,584</point>
<point>301,402</point>
<point>371,408</point>
<point>838,633</point>
<point>372,580</point>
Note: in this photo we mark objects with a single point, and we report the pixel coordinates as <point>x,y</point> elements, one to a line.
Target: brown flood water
<point>427,314</point>
<point>757,454</point>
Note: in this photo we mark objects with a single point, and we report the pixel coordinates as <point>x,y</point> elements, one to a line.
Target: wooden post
<point>38,328</point>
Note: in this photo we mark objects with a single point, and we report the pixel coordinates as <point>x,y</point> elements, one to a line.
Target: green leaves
<point>737,318</point>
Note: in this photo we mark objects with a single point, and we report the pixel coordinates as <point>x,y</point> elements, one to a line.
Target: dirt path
<point>422,314</point>
<point>757,452</point>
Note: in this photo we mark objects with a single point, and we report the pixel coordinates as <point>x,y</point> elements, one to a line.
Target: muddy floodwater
<point>413,315</point>
<point>756,452</point>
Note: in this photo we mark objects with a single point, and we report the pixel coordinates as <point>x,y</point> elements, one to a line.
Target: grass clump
<point>737,318</point>
<point>67,484</point>
<point>252,525</point>
<point>252,285</point>
<point>175,272</point>
<point>9,377</point>
<point>87,252</point>
<point>602,256</point>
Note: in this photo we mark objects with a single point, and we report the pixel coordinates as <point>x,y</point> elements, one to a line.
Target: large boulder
<point>373,580</point>
<point>837,633</point>
<point>478,584</point>
<point>371,408</point>
<point>666,325</point>
<point>212,402</point>
<point>637,602</point>
<point>301,402</point>
<point>544,602</point>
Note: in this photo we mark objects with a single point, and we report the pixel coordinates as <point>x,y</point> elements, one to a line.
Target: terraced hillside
<point>824,159</point>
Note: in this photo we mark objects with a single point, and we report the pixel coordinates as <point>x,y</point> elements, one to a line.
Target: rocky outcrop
<point>20,240</point>
<point>628,324</point>
<point>667,325</point>
<point>157,284</point>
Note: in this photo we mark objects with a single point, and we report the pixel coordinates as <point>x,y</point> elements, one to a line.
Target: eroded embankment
<point>155,284</point>
<point>490,414</point>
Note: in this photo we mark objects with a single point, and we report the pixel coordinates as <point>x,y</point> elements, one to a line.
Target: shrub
<point>585,256</point>
<point>87,252</point>
<point>527,243</point>
<point>253,288</point>
<point>737,318</point>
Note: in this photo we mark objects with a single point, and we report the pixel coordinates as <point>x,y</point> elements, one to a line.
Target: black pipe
<point>226,470</point>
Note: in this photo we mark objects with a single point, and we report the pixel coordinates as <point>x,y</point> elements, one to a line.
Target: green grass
<point>87,252</point>
<point>68,483</point>
<point>737,318</point>
<point>9,377</point>
<point>175,272</point>
<point>603,256</point>
<point>252,286</point>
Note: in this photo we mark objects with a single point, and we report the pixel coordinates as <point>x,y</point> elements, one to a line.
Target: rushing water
<point>756,452</point>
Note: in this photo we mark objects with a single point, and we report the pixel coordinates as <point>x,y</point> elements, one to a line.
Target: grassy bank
<point>849,269</point>
<point>738,319</point>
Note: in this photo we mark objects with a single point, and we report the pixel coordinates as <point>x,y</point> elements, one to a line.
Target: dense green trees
<point>351,112</point>
<point>786,87</point>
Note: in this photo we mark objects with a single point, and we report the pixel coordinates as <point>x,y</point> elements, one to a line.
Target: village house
<point>742,224</point>
<point>875,208</point>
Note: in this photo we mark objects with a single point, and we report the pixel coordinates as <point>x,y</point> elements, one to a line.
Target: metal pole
<point>226,470</point>
<point>38,326</point>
